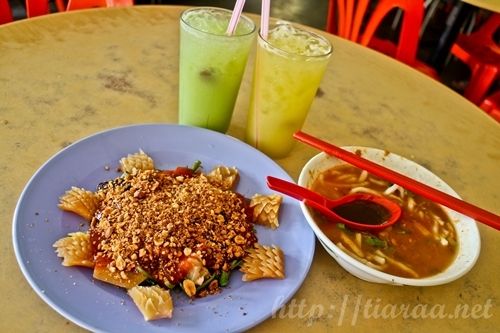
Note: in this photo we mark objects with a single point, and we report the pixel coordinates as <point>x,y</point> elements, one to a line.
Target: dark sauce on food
<point>363,211</point>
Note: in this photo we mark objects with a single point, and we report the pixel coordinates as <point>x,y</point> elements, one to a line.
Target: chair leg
<point>433,5</point>
<point>36,8</point>
<point>480,81</point>
<point>495,114</point>
<point>330,19</point>
<point>60,5</point>
<point>491,105</point>
<point>455,20</point>
<point>5,12</point>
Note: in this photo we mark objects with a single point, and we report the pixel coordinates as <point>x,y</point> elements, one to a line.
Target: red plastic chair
<point>491,105</point>
<point>83,4</point>
<point>480,52</point>
<point>345,18</point>
<point>37,7</point>
<point>5,12</point>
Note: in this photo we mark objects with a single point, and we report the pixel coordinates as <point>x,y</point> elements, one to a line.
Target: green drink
<point>211,66</point>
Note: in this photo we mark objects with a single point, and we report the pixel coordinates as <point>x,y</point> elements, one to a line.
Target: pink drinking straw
<point>235,17</point>
<point>264,18</point>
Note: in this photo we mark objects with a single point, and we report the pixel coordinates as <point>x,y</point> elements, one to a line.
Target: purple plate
<point>101,307</point>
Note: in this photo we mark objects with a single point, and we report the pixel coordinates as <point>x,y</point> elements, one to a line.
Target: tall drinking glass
<point>289,66</point>
<point>211,66</point>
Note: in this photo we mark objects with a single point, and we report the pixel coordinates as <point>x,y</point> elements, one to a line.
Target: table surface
<point>68,75</point>
<point>493,5</point>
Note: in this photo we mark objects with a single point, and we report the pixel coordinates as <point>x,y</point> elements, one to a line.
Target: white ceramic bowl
<point>467,231</point>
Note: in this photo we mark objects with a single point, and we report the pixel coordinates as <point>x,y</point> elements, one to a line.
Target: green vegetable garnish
<point>235,264</point>
<point>224,278</point>
<point>148,283</point>
<point>196,166</point>
<point>374,241</point>
<point>207,282</point>
<point>344,228</point>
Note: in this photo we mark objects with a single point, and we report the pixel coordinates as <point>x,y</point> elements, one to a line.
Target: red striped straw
<point>264,18</point>
<point>235,17</point>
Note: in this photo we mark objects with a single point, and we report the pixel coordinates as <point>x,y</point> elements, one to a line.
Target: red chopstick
<point>410,184</point>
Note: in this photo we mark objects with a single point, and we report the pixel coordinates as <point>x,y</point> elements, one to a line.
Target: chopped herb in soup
<point>422,243</point>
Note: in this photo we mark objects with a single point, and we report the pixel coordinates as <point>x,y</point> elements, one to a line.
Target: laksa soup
<point>422,243</point>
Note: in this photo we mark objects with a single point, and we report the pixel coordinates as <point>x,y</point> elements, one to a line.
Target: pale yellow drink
<point>289,67</point>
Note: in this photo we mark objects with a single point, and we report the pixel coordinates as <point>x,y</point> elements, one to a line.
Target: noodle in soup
<point>421,244</point>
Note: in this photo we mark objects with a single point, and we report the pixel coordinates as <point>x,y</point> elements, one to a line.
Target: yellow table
<point>66,76</point>
<point>493,5</point>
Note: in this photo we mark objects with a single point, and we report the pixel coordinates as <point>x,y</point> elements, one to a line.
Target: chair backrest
<point>485,34</point>
<point>5,12</point>
<point>37,7</point>
<point>345,18</point>
<point>83,4</point>
<point>41,7</point>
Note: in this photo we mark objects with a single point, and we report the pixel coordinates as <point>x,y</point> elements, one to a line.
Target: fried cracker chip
<point>154,302</point>
<point>263,262</point>
<point>134,162</point>
<point>79,201</point>
<point>118,277</point>
<point>266,209</point>
<point>75,249</point>
<point>225,176</point>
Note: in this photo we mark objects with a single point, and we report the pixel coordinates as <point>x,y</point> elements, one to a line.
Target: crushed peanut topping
<point>156,219</point>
